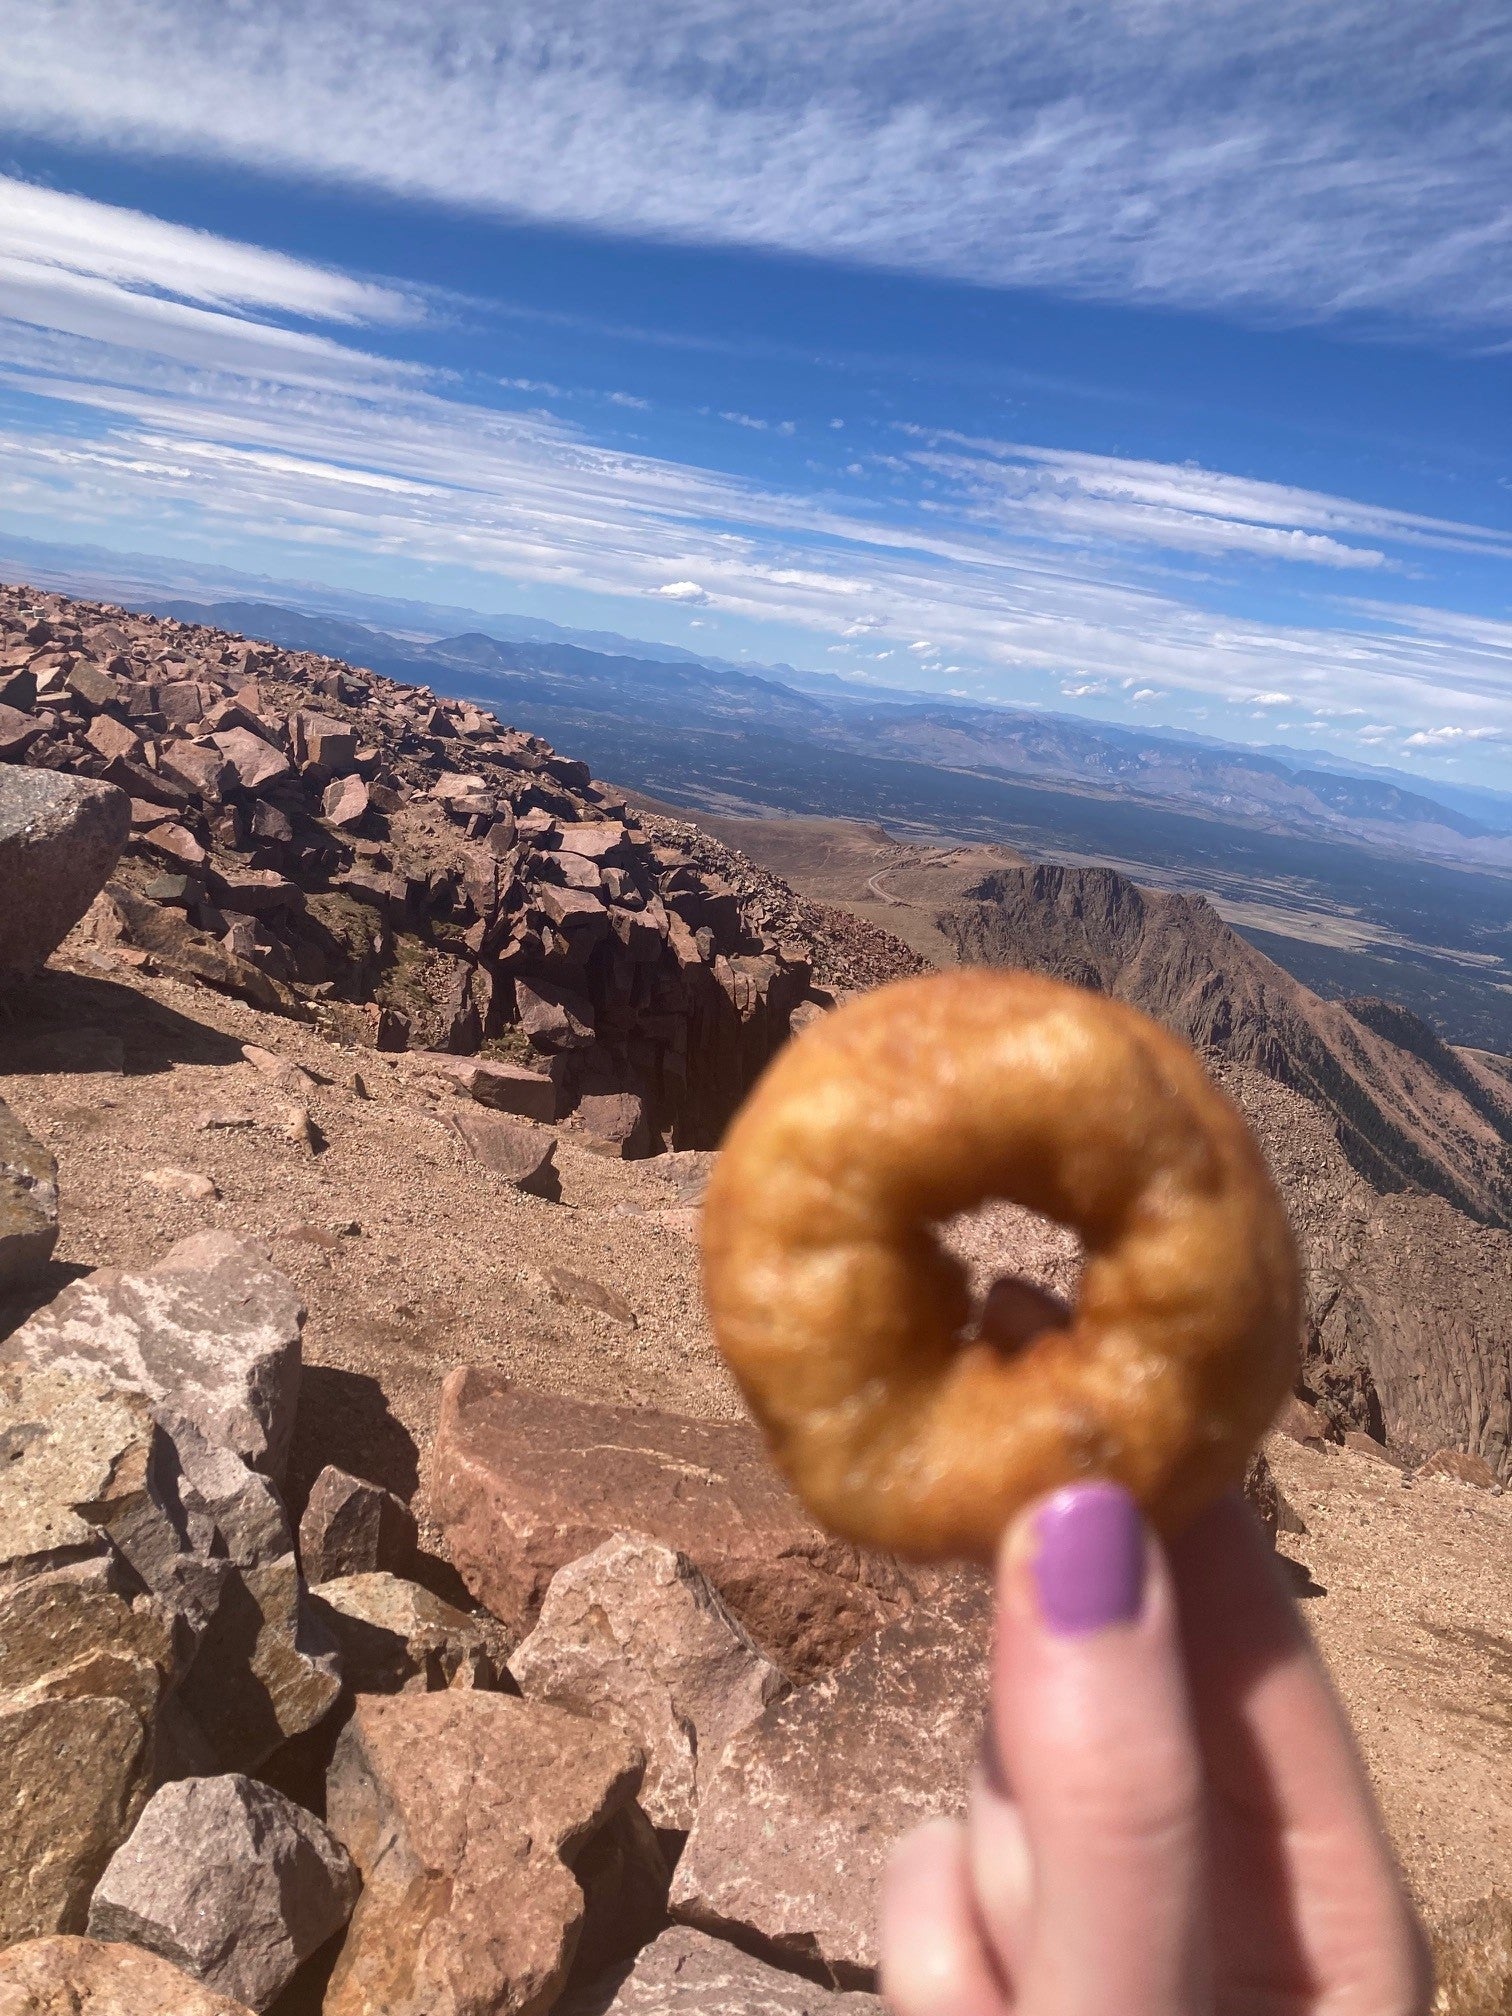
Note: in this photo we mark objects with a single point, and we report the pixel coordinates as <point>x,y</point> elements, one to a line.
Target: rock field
<point>397,1613</point>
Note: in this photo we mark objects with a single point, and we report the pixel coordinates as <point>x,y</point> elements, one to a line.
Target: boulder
<point>396,1638</point>
<point>1301,1422</point>
<point>232,1513</point>
<point>686,1973</point>
<point>83,1677</point>
<point>594,840</point>
<point>1461,1466</point>
<point>211,1335</point>
<point>524,1482</point>
<point>351,1527</point>
<point>1358,1443</point>
<point>18,731</point>
<point>88,1475</point>
<point>76,1456</point>
<point>552,1017</point>
<point>201,770</point>
<point>265,1668</point>
<point>329,745</point>
<point>1261,1491</point>
<point>614,1123</point>
<point>1472,1957</point>
<point>525,1156</point>
<point>635,1635</point>
<point>345,802</point>
<point>83,1977</point>
<point>507,1088</point>
<point>28,1203</point>
<point>59,839</point>
<point>789,1845</point>
<point>464,1812</point>
<point>230,1881</point>
<point>256,764</point>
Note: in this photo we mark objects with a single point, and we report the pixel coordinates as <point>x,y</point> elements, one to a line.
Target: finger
<point>1091,1717</point>
<point>1320,1895</point>
<point>1001,1872</point>
<point>933,1960</point>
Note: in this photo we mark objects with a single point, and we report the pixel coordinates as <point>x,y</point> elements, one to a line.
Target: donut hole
<point>1024,1272</point>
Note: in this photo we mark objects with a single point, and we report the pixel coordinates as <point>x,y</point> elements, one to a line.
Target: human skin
<point>1171,1818</point>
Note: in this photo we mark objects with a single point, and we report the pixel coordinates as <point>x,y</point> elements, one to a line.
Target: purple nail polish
<point>1089,1558</point>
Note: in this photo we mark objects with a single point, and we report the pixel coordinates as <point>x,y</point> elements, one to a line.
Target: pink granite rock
<point>464,1812</point>
<point>525,1156</point>
<point>687,1973</point>
<point>635,1635</point>
<point>792,1836</point>
<point>525,1482</point>
<point>87,1977</point>
<point>59,839</point>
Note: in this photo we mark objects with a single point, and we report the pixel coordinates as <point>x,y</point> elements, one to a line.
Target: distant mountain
<point>582,684</point>
<point>1229,782</point>
<point>1410,1112</point>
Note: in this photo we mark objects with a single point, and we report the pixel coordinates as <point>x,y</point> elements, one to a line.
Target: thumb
<point>1094,1740</point>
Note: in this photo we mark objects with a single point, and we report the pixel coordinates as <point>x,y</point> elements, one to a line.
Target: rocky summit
<point>398,1612</point>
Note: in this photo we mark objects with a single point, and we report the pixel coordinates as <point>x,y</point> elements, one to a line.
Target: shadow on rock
<point>70,1022</point>
<point>345,1419</point>
<point>24,1302</point>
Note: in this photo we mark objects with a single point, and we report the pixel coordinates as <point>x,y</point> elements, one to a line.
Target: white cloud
<point>1270,700</point>
<point>1439,738</point>
<point>55,231</point>
<point>1182,507</point>
<point>629,399</point>
<point>225,428</point>
<point>1273,157</point>
<point>745,420</point>
<point>116,277</point>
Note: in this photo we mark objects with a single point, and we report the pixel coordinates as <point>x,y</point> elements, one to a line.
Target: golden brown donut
<point>850,1327</point>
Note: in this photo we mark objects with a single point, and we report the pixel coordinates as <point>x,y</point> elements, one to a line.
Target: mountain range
<point>1280,791</point>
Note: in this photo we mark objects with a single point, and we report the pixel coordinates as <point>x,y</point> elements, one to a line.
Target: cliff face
<point>1409,1303</point>
<point>1410,1113</point>
<point>407,872</point>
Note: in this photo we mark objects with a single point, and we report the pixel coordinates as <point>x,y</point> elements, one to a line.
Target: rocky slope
<point>416,1262</point>
<point>1409,1302</point>
<point>406,872</point>
<point>1410,1112</point>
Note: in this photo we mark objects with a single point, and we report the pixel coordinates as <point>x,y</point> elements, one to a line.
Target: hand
<point>1171,1818</point>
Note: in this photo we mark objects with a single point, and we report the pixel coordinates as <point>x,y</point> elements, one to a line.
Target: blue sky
<point>1144,358</point>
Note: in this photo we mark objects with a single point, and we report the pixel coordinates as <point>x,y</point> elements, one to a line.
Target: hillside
<point>1410,1112</point>
<point>405,872</point>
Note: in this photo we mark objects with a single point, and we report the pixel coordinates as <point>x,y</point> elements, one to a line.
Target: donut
<point>902,1418</point>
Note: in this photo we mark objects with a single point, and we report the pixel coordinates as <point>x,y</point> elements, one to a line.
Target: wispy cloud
<point>49,232</point>
<point>130,283</point>
<point>225,426</point>
<point>1270,157</point>
<point>1181,507</point>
